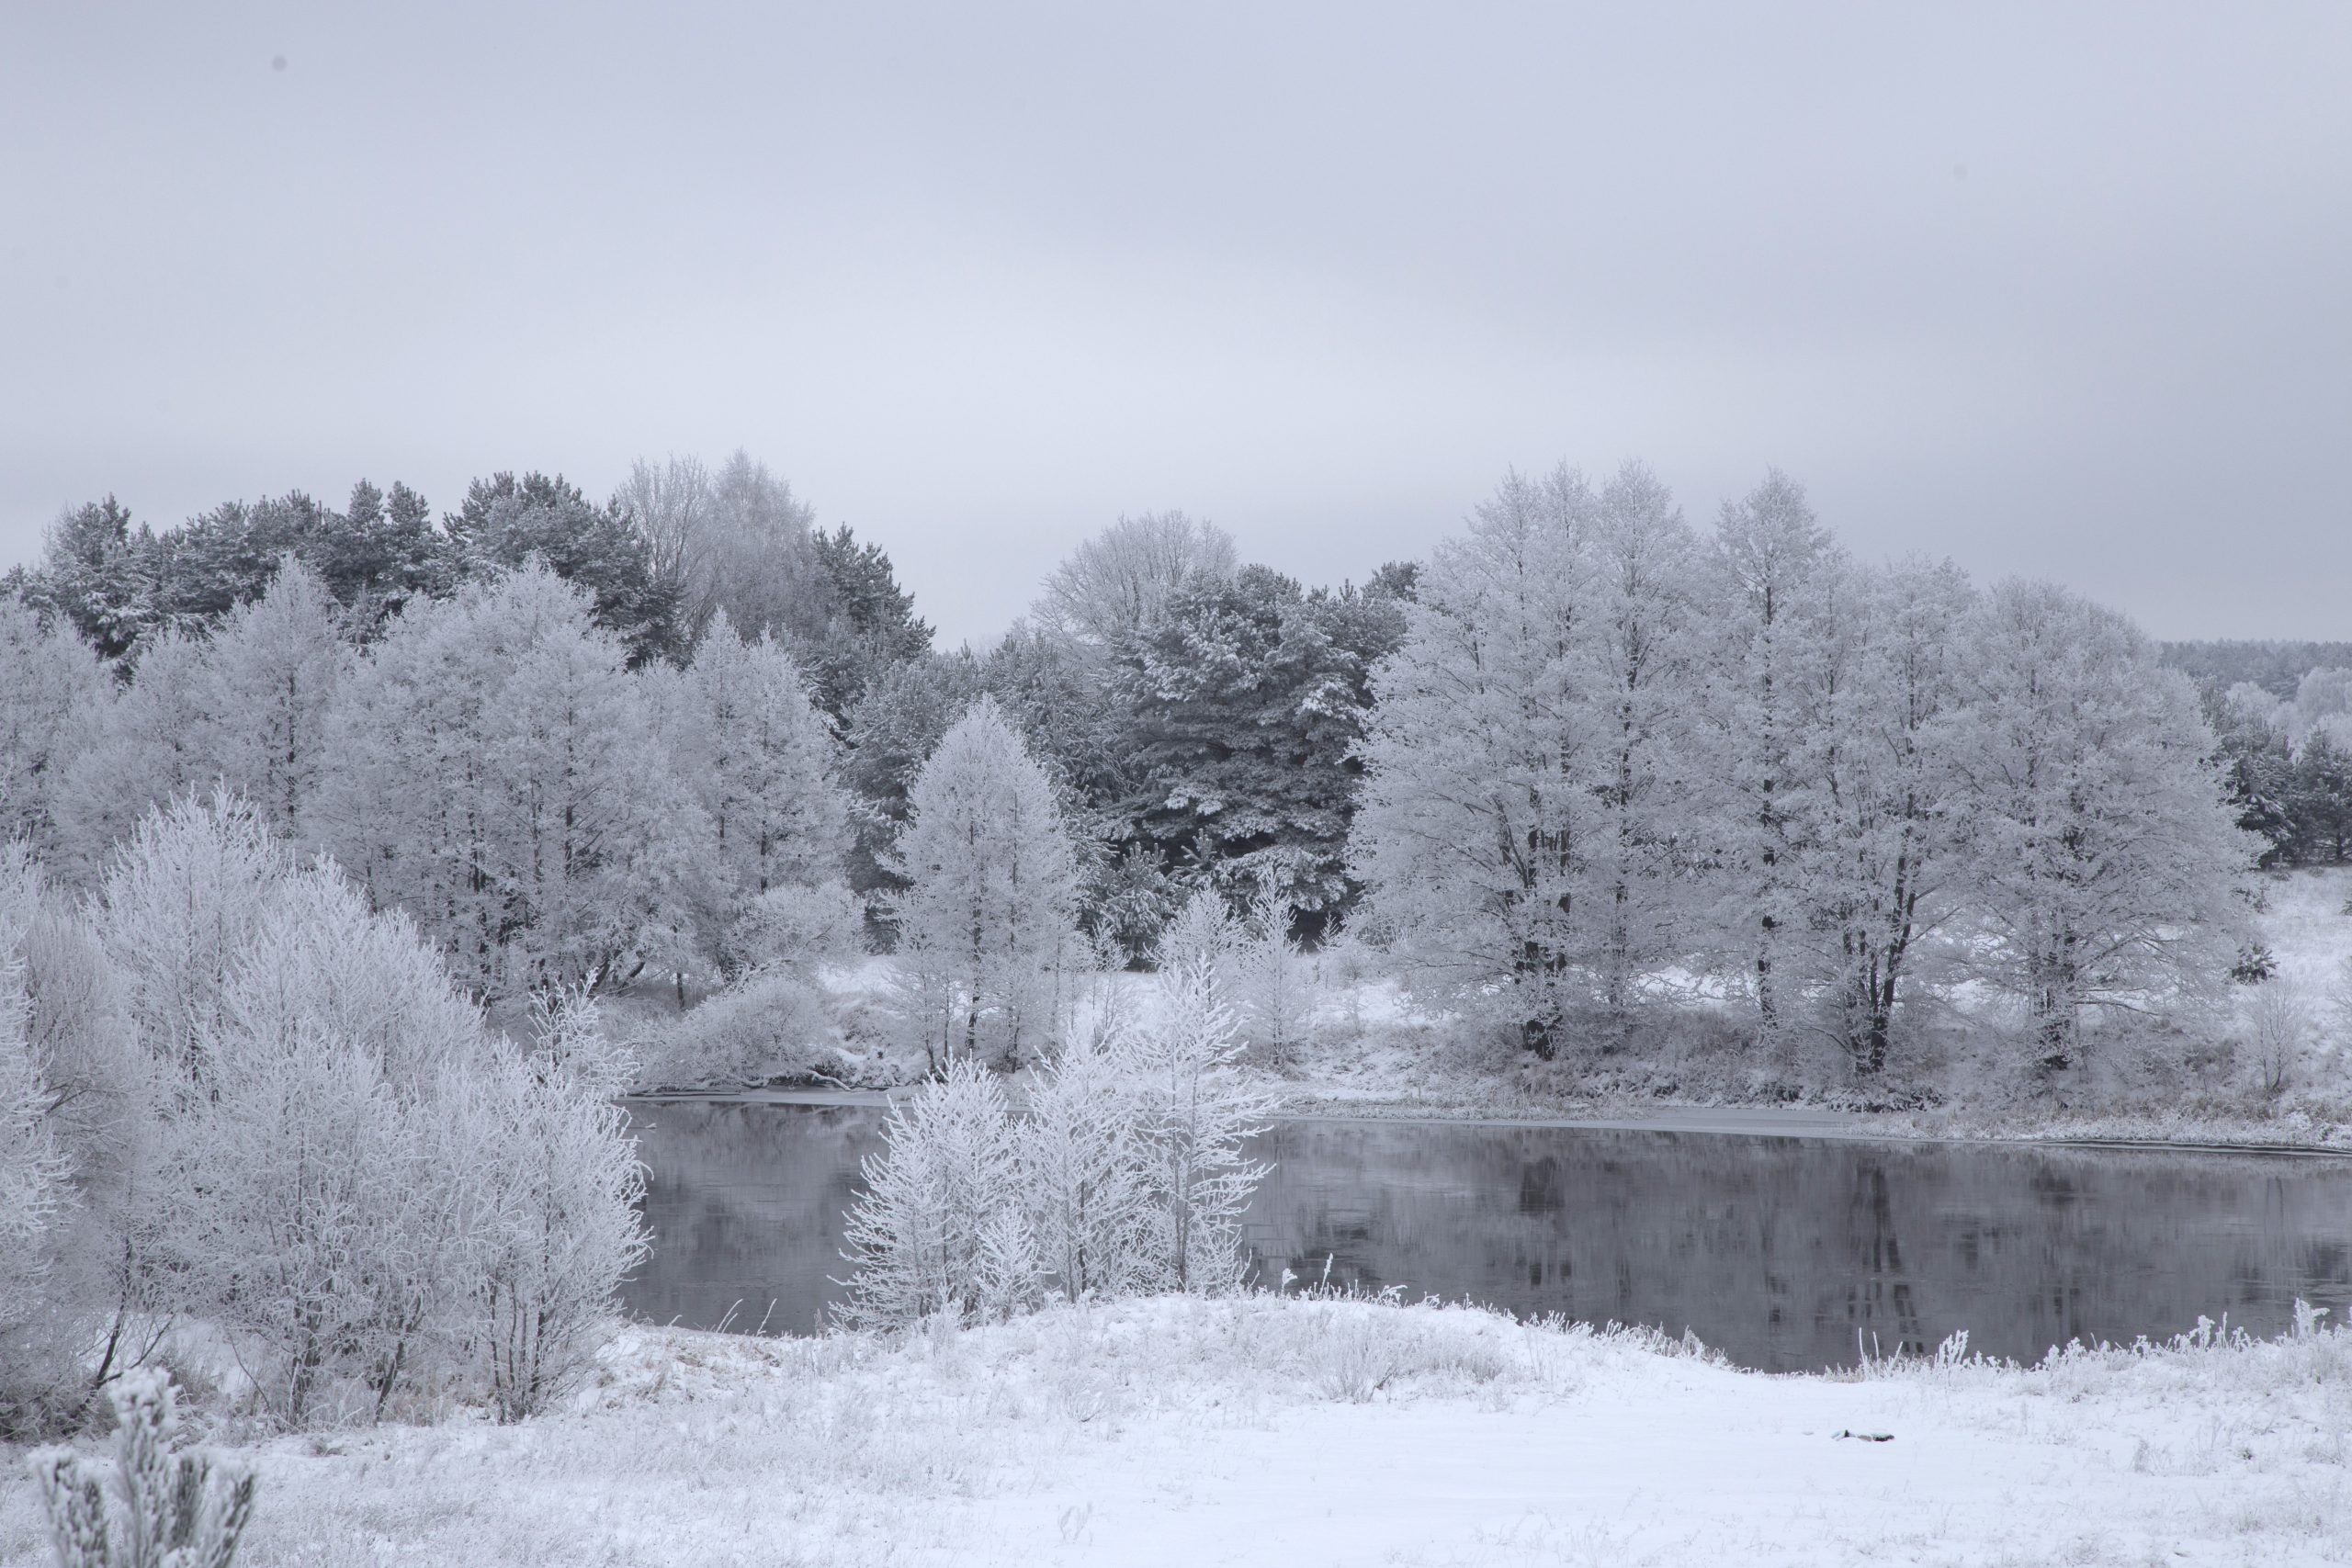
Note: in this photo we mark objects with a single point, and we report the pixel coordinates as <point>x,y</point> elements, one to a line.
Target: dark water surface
<point>1775,1250</point>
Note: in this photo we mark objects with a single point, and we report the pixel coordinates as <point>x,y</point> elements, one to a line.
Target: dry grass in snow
<point>1265,1430</point>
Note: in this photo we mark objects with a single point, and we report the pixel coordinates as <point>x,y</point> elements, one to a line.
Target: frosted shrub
<point>302,1221</point>
<point>162,1510</point>
<point>766,1026</point>
<point>554,1194</point>
<point>2281,1028</point>
<point>1128,1174</point>
<point>1353,1358</point>
<point>930,1231</point>
<point>349,1177</point>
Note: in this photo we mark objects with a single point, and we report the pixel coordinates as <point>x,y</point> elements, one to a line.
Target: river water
<point>1784,1253</point>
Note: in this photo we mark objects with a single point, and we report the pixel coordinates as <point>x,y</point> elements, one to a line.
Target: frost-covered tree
<point>986,922</point>
<point>1775,574</point>
<point>1204,931</point>
<point>1481,827</point>
<point>893,730</point>
<point>1273,983</point>
<point>72,1014</point>
<point>150,743</point>
<point>759,758</point>
<point>932,1228</point>
<point>35,1194</point>
<point>2100,850</point>
<point>1196,1110</point>
<point>1115,584</point>
<point>1083,1156</point>
<point>270,673</point>
<point>1127,1172</point>
<point>546,1167</point>
<point>353,1180</point>
<point>1875,867</point>
<point>51,689</point>
<point>505,524</point>
<point>1638,670</point>
<point>498,777</point>
<point>1239,706</point>
<point>303,1203</point>
<point>93,574</point>
<point>296,1212</point>
<point>184,895</point>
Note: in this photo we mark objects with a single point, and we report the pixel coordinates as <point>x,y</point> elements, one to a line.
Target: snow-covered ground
<point>1283,1431</point>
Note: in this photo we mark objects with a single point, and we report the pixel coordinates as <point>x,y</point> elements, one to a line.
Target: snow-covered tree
<point>36,1192</point>
<point>988,920</point>
<point>1874,869</point>
<point>1274,984</point>
<point>183,897</point>
<point>1481,828</point>
<point>497,777</point>
<point>270,671</point>
<point>1196,1110</point>
<point>1083,1175</point>
<point>1114,585</point>
<point>930,1230</point>
<point>548,1174</point>
<point>759,759</point>
<point>1638,669</point>
<point>296,1210</point>
<point>52,691</point>
<point>344,1172</point>
<point>1775,574</point>
<point>148,744</point>
<point>798,931</point>
<point>2100,853</point>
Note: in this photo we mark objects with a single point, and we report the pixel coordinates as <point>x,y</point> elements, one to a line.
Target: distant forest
<point>2282,714</point>
<point>2276,666</point>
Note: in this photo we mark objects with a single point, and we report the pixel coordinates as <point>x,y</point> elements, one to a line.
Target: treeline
<point>1583,750</point>
<point>2278,666</point>
<point>1616,760</point>
<point>576,741</point>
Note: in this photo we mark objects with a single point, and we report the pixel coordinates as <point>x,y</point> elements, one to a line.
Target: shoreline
<point>1814,1123</point>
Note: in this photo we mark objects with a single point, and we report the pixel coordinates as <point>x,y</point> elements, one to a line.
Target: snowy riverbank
<point>1370,1053</point>
<point>1265,1430</point>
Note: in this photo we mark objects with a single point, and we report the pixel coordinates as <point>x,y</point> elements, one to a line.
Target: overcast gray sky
<point>2059,291</point>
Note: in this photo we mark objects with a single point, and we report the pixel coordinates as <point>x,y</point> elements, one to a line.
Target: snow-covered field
<point>1284,1431</point>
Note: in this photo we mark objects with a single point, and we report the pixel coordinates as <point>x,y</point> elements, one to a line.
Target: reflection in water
<point>1780,1251</point>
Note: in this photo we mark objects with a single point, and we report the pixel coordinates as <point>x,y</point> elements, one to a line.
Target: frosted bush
<point>1128,1173</point>
<point>554,1193</point>
<point>2281,1026</point>
<point>765,1027</point>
